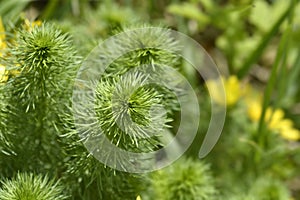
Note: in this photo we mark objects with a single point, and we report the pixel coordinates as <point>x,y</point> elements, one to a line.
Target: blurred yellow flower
<point>254,110</point>
<point>138,197</point>
<point>2,37</point>
<point>3,74</point>
<point>232,89</point>
<point>290,134</point>
<point>29,25</point>
<point>274,119</point>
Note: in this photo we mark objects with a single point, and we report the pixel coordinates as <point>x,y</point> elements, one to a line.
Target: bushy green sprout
<point>130,113</point>
<point>124,104</point>
<point>186,179</point>
<point>31,187</point>
<point>133,104</point>
<point>131,110</point>
<point>90,179</point>
<point>268,188</point>
<point>45,61</point>
<point>144,45</point>
<point>45,57</point>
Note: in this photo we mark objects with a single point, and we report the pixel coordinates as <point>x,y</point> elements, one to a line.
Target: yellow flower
<point>36,23</point>
<point>29,25</point>
<point>232,90</point>
<point>138,197</point>
<point>2,38</point>
<point>2,30</point>
<point>290,134</point>
<point>274,119</point>
<point>254,110</point>
<point>3,74</point>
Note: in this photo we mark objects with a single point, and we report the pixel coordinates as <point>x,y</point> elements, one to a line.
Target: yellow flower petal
<point>2,38</point>
<point>138,197</point>
<point>36,23</point>
<point>3,74</point>
<point>285,124</point>
<point>290,134</point>
<point>215,91</point>
<point>29,25</point>
<point>276,118</point>
<point>278,115</point>
<point>2,31</point>
<point>232,90</point>
<point>254,110</point>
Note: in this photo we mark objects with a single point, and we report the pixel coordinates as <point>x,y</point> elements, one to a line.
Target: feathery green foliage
<point>131,109</point>
<point>31,187</point>
<point>46,62</point>
<point>186,179</point>
<point>129,112</point>
<point>2,117</point>
<point>90,179</point>
<point>263,188</point>
<point>268,188</point>
<point>45,57</point>
<point>130,87</point>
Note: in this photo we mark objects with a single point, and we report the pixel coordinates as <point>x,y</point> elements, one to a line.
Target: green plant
<point>31,187</point>
<point>186,179</point>
<point>131,108</point>
<point>35,98</point>
<point>267,188</point>
<point>124,112</point>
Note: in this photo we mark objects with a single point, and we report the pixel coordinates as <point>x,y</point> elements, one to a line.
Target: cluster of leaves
<point>28,186</point>
<point>44,60</point>
<point>185,179</point>
<point>39,135</point>
<point>132,111</point>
